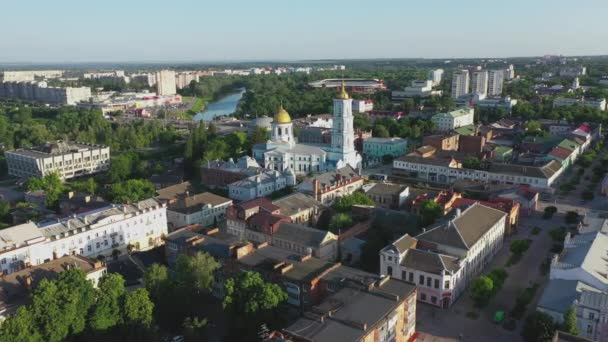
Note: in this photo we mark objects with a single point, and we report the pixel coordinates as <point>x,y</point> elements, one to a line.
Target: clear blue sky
<point>205,30</point>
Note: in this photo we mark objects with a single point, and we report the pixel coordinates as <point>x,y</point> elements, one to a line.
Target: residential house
<point>442,142</point>
<point>260,185</point>
<point>218,173</point>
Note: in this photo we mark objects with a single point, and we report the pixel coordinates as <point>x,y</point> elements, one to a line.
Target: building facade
<point>435,76</point>
<point>460,83</point>
<point>479,83</point>
<point>326,187</point>
<point>67,159</point>
<point>260,185</point>
<point>374,149</point>
<point>496,79</point>
<point>205,209</point>
<point>165,82</point>
<point>463,116</point>
<point>443,260</point>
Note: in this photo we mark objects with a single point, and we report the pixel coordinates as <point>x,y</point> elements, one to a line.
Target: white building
<point>496,79</point>
<point>570,101</point>
<point>421,88</point>
<point>140,225</point>
<point>205,209</point>
<point>183,79</point>
<point>261,185</point>
<point>68,159</point>
<point>479,83</point>
<point>510,72</point>
<point>39,91</point>
<point>362,106</point>
<point>328,186</point>
<point>165,82</point>
<point>435,76</point>
<point>574,71</point>
<point>444,259</point>
<point>448,171</point>
<point>463,116</point>
<point>29,75</point>
<point>497,102</point>
<point>460,83</point>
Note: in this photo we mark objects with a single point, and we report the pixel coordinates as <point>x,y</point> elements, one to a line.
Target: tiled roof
<point>560,153</point>
<point>302,235</point>
<point>429,262</point>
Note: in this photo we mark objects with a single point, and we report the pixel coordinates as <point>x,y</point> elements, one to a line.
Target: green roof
<point>466,130</point>
<point>501,150</point>
<point>568,145</point>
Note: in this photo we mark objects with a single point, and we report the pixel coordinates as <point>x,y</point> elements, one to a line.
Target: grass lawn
<point>200,104</point>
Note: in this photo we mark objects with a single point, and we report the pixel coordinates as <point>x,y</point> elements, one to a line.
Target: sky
<point>57,31</point>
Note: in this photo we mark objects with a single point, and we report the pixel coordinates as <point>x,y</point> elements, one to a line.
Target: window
<point>389,271</point>
<point>436,283</point>
<point>89,248</point>
<point>411,278</point>
<point>589,329</point>
<point>591,315</point>
<point>446,285</point>
<point>421,280</point>
<point>403,275</point>
<point>423,296</point>
<point>429,281</point>
<point>433,299</point>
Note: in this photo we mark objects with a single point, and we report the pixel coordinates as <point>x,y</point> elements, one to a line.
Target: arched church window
<point>280,131</point>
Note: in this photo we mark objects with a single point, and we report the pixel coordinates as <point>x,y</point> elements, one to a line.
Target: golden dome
<point>343,93</point>
<point>282,117</point>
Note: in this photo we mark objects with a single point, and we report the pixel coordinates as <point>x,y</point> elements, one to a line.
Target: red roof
<point>501,204</point>
<point>585,128</point>
<point>560,152</point>
<point>263,221</point>
<point>261,202</point>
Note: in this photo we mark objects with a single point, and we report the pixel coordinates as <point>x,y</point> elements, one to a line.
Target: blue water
<point>224,106</point>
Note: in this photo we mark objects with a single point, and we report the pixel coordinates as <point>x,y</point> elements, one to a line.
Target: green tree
<point>19,327</point>
<point>340,221</point>
<point>248,293</point>
<point>430,211</point>
<point>345,203</point>
<point>571,217</point>
<point>77,295</point>
<point>138,308</point>
<point>47,312</point>
<point>51,184</point>
<point>481,290</point>
<point>538,327</point>
<point>194,328</point>
<point>156,279</point>
<point>381,132</point>
<point>131,190</point>
<point>88,186</point>
<point>107,312</point>
<point>471,162</point>
<point>569,324</point>
<point>195,272</point>
<point>5,208</point>
<point>122,167</point>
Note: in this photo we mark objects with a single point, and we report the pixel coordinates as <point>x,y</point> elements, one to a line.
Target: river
<point>224,106</point>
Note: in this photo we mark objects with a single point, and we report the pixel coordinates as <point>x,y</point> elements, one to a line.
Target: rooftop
<point>466,229</point>
<point>20,235</point>
<point>385,140</point>
<point>194,203</point>
<point>329,178</point>
<point>302,235</point>
<point>174,191</point>
<point>386,189</point>
<point>354,312</point>
<point>308,270</point>
<point>294,203</point>
<point>56,148</point>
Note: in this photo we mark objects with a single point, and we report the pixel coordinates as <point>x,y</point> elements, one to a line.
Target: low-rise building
<point>374,149</point>
<point>448,171</point>
<point>384,311</point>
<point>387,195</point>
<point>218,173</point>
<point>442,142</point>
<point>328,186</point>
<point>67,159</point>
<point>362,106</point>
<point>262,184</point>
<point>451,120</point>
<point>444,259</point>
<point>571,101</point>
<point>205,209</point>
<point>300,208</point>
<point>17,287</point>
<point>418,88</point>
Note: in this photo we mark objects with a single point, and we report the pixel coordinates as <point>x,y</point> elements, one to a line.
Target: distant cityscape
<point>392,200</point>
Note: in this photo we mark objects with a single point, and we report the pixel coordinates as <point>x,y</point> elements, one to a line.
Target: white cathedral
<point>282,152</point>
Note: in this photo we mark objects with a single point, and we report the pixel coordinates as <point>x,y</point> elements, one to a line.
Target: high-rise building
<point>460,83</point>
<point>496,80</point>
<point>479,82</point>
<point>165,82</point>
<point>435,76</point>
<point>183,79</point>
<point>510,72</point>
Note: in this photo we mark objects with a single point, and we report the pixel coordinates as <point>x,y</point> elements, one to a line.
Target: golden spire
<point>343,93</point>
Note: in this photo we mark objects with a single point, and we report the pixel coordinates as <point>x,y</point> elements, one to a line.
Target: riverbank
<point>224,106</point>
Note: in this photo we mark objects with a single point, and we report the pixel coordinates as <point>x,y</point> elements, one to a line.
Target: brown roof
<point>386,189</point>
<point>262,202</point>
<point>465,230</point>
<point>404,243</point>
<point>560,152</point>
<point>174,191</point>
<point>196,202</point>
